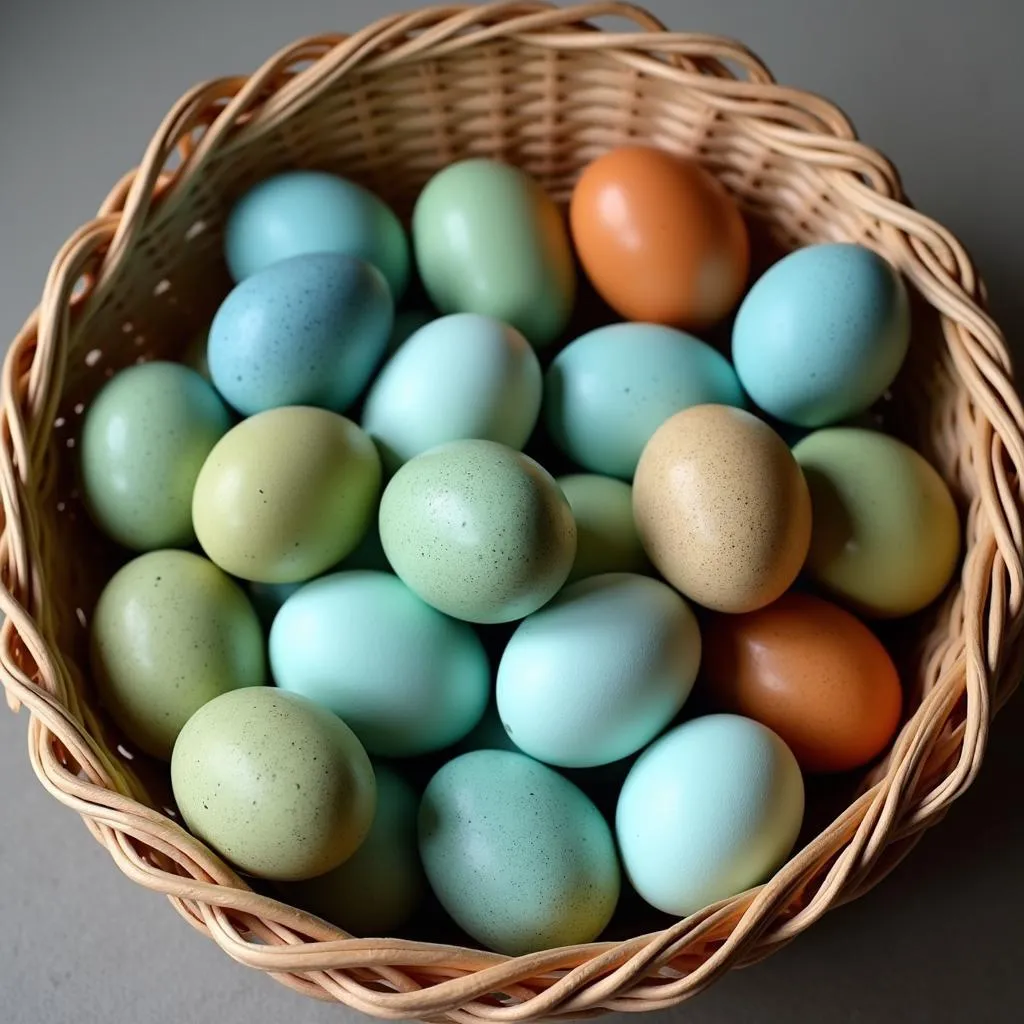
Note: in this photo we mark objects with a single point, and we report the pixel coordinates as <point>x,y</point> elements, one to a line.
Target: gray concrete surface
<point>933,84</point>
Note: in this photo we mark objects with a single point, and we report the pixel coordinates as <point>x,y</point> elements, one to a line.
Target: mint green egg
<point>519,857</point>
<point>169,633</point>
<point>145,438</point>
<point>489,240</point>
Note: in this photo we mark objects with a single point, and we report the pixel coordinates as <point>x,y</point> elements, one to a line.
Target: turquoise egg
<point>405,678</point>
<point>460,376</point>
<point>307,331</point>
<point>489,240</point>
<point>146,436</point>
<point>479,531</point>
<point>822,334</point>
<point>708,811</point>
<point>607,392</point>
<point>301,212</point>
<point>596,674</point>
<point>519,857</point>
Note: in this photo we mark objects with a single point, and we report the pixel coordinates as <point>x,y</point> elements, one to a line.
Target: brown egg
<point>811,672</point>
<point>660,238</point>
<point>722,508</point>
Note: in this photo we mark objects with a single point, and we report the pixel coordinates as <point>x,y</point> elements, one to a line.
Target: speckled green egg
<point>479,531</point>
<point>286,494</point>
<point>274,783</point>
<point>145,438</point>
<point>169,633</point>
<point>520,858</point>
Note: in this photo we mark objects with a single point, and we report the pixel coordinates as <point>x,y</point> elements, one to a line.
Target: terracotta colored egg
<point>722,508</point>
<point>659,237</point>
<point>812,673</point>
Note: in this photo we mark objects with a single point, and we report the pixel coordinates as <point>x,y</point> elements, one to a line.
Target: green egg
<point>144,440</point>
<point>169,633</point>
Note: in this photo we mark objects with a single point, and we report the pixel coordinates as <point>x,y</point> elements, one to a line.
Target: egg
<point>144,440</point>
<point>822,334</point>
<point>405,678</point>
<point>302,212</point>
<point>518,856</point>
<point>812,673</point>
<point>489,240</point>
<point>606,537</point>
<point>886,537</point>
<point>722,508</point>
<point>309,330</point>
<point>407,322</point>
<point>170,632</point>
<point>607,392</point>
<point>596,674</point>
<point>659,237</point>
<point>460,376</point>
<point>286,494</point>
<point>275,784</point>
<point>379,887</point>
<point>479,531</point>
<point>708,811</point>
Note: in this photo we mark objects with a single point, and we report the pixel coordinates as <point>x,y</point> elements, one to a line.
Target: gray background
<point>933,84</point>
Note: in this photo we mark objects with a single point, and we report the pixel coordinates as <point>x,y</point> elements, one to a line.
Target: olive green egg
<point>286,494</point>
<point>606,537</point>
<point>478,530</point>
<point>276,784</point>
<point>169,633</point>
<point>144,439</point>
<point>489,240</point>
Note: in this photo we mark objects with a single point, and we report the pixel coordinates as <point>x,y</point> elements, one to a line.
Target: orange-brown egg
<point>811,672</point>
<point>659,237</point>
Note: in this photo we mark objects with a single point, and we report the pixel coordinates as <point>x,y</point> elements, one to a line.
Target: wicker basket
<point>539,87</point>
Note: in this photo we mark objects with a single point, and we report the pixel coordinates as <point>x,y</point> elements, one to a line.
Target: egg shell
<point>886,537</point>
<point>479,531</point>
<point>286,494</point>
<point>722,508</point>
<point>708,811</point>
<point>460,376</point>
<point>607,392</point>
<point>405,678</point>
<point>659,237</point>
<point>377,890</point>
<point>812,673</point>
<point>517,855</point>
<point>407,323</point>
<point>489,240</point>
<point>170,632</point>
<point>275,784</point>
<point>302,212</point>
<point>144,440</point>
<point>606,537</point>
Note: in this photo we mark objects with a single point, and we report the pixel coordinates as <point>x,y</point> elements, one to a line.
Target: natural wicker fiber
<point>389,105</point>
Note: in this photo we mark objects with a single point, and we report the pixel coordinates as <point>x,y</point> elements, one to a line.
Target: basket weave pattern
<point>388,106</point>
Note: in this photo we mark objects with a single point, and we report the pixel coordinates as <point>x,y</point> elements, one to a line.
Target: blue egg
<point>303,212</point>
<point>822,334</point>
<point>609,391</point>
<point>307,331</point>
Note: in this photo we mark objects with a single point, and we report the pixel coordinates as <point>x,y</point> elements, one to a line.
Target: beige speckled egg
<point>722,508</point>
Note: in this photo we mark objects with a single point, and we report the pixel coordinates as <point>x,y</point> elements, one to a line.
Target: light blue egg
<point>709,810</point>
<point>307,331</point>
<point>405,678</point>
<point>519,857</point>
<point>302,212</point>
<point>609,391</point>
<point>822,334</point>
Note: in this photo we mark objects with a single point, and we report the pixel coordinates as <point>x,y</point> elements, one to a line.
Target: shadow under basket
<point>548,90</point>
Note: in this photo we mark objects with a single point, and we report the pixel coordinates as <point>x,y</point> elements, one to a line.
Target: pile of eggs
<point>320,605</point>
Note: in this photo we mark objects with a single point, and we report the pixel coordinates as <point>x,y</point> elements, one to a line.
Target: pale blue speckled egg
<point>822,334</point>
<point>307,331</point>
<point>519,857</point>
